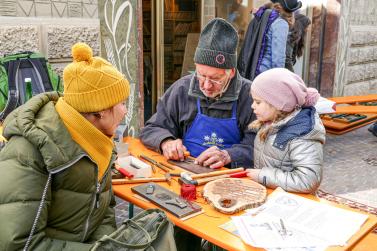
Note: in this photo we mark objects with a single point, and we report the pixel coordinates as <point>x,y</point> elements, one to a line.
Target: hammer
<point>166,178</point>
<point>202,181</point>
<point>210,174</point>
<point>199,182</point>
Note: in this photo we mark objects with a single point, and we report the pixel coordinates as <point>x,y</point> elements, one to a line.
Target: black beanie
<point>289,5</point>
<point>217,45</point>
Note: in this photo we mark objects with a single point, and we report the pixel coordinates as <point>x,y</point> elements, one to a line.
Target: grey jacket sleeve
<point>306,172</point>
<point>163,124</point>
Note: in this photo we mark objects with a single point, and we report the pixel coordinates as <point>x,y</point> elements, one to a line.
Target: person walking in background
<point>288,148</point>
<point>296,40</point>
<point>266,38</point>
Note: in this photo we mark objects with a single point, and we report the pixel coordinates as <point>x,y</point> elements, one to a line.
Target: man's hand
<point>173,149</point>
<point>213,157</point>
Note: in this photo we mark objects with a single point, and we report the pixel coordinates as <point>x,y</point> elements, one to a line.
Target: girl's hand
<point>253,174</point>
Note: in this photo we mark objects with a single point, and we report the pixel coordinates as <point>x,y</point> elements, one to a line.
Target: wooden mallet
<point>166,178</point>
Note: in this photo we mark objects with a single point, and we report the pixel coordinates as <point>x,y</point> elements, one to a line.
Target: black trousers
<point>186,241</point>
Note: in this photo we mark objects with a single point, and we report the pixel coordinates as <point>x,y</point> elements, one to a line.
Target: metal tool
<point>152,161</point>
<point>150,189</point>
<point>177,202</point>
<point>162,167</point>
<point>167,166</point>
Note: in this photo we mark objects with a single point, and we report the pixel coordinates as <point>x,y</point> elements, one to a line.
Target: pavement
<point>350,166</point>
<point>350,169</point>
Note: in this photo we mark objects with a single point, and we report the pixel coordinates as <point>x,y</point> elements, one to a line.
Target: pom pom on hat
<point>91,84</point>
<point>81,52</point>
<point>283,89</point>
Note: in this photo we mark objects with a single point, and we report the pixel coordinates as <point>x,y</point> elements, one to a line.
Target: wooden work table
<point>206,225</point>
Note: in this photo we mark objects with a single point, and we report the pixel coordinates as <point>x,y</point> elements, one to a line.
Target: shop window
<point>181,17</point>
<point>237,12</point>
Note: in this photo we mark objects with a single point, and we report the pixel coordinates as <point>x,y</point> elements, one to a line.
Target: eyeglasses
<point>203,79</point>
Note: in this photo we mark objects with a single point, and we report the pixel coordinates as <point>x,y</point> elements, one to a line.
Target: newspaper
<point>289,221</point>
<point>264,232</point>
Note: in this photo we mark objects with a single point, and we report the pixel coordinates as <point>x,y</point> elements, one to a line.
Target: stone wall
<point>356,67</point>
<point>49,27</point>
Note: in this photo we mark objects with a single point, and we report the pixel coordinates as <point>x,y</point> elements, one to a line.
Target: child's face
<point>263,110</point>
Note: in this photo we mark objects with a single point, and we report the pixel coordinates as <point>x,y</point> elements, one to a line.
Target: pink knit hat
<point>283,89</point>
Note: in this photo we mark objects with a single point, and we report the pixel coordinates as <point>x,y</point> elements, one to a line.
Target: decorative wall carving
<point>47,26</point>
<point>119,30</point>
<point>8,8</point>
<point>48,8</point>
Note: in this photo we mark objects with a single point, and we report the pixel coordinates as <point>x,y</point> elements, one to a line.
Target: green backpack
<point>150,230</point>
<point>23,75</point>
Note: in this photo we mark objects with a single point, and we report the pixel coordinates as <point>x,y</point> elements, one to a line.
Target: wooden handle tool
<point>138,180</point>
<point>216,173</point>
<point>166,178</point>
<point>208,179</point>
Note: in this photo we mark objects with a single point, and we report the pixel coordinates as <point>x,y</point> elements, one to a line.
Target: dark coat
<point>248,60</point>
<point>177,109</point>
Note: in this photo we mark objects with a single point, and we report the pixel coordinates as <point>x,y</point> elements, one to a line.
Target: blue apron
<point>206,131</point>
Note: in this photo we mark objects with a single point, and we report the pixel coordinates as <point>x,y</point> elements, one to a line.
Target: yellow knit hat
<point>91,84</point>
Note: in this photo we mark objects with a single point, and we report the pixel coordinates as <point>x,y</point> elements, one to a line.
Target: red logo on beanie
<point>220,59</point>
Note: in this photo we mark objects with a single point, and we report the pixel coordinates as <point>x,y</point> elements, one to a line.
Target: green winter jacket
<point>43,170</point>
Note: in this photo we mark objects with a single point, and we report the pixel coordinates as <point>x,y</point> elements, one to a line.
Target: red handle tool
<point>238,175</point>
<point>124,171</point>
